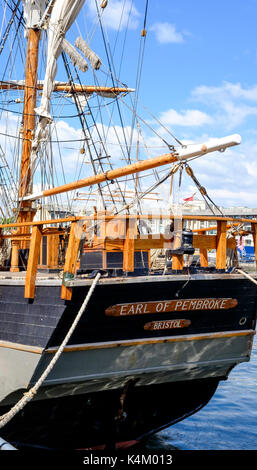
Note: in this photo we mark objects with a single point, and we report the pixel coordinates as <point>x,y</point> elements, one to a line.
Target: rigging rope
<point>83,122</point>
<point>139,73</point>
<point>27,397</point>
<point>202,189</point>
<point>8,27</point>
<point>112,76</point>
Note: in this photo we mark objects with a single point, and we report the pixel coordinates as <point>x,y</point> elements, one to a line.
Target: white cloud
<point>251,168</point>
<point>166,33</point>
<point>234,198</point>
<point>232,104</point>
<point>229,177</point>
<point>190,117</point>
<point>117,14</point>
<point>226,91</point>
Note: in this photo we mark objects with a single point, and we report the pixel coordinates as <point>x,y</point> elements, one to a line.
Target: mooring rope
<point>247,275</point>
<point>4,419</point>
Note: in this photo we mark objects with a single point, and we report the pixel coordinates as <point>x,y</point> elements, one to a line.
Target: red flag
<point>191,198</point>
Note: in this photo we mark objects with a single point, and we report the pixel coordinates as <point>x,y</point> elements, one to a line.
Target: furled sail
<point>62,17</point>
<point>33,12</point>
<point>91,55</point>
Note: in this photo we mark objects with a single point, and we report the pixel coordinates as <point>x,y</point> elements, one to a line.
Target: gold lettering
<point>185,305</point>
<point>123,310</point>
<point>166,305</point>
<point>139,308</point>
<point>192,305</point>
<point>178,304</point>
<point>131,310</point>
<point>206,303</point>
<point>159,307</point>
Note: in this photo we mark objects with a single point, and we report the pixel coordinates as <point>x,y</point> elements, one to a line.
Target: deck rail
<point>114,233</point>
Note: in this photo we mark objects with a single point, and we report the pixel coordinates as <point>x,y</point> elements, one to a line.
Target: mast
<point>26,213</point>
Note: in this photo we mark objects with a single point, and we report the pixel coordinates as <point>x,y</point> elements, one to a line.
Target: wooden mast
<point>25,211</point>
<point>29,122</point>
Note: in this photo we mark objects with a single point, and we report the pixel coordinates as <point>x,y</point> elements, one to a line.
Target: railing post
<point>177,260</point>
<point>15,257</point>
<point>221,253</point>
<point>129,245</point>
<point>203,254</point>
<point>33,259</point>
<point>71,258</point>
<point>52,251</point>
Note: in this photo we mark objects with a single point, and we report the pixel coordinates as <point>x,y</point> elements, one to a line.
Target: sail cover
<point>62,17</point>
<point>33,12</point>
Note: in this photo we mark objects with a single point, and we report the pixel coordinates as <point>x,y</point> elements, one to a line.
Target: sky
<point>198,78</point>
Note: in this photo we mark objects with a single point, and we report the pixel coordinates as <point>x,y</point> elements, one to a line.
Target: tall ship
<point>109,332</point>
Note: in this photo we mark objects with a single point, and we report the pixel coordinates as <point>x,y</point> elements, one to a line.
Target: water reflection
<point>228,422</point>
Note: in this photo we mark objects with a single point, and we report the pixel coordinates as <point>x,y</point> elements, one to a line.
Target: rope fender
<point>27,397</point>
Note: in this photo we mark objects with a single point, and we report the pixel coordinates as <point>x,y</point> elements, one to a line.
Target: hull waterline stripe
<point>145,341</point>
<point>125,343</point>
<point>21,347</point>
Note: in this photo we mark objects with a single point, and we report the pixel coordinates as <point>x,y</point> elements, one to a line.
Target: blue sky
<point>199,78</point>
<point>207,62</point>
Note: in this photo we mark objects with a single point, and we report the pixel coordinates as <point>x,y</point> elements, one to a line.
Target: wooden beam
<point>203,256</point>
<point>33,259</point>
<point>129,245</point>
<point>123,217</point>
<point>45,222</point>
<point>158,241</point>
<point>52,250</point>
<point>66,87</point>
<point>221,255</point>
<point>179,155</point>
<point>177,262</point>
<point>71,257</point>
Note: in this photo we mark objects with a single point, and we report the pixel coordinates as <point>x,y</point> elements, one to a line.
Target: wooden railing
<point>123,238</point>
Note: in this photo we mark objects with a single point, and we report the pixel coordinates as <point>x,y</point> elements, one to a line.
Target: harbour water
<point>227,422</point>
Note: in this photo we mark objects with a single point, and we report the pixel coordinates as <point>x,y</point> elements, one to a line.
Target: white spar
<point>212,145</point>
